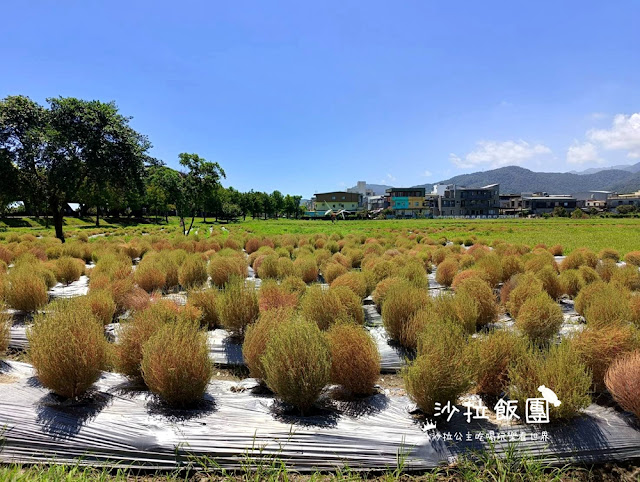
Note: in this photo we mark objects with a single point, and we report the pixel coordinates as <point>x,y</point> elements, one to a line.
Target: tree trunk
<point>191,225</point>
<point>57,222</point>
<point>97,216</point>
<point>204,216</point>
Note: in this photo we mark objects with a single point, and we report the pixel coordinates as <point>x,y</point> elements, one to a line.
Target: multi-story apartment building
<point>616,200</point>
<point>510,204</point>
<point>541,202</point>
<point>455,200</point>
<point>336,201</point>
<point>407,202</point>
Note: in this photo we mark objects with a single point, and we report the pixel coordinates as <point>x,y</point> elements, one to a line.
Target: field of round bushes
<point>472,318</point>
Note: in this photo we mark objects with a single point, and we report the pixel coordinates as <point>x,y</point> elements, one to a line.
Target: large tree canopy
<point>75,150</point>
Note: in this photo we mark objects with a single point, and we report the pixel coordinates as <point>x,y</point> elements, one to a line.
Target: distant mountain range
<point>622,167</point>
<point>513,179</point>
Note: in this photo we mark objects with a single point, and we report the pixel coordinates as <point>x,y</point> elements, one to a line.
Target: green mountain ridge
<point>514,179</point>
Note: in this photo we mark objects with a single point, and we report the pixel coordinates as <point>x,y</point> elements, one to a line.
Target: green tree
<point>72,148</point>
<point>577,213</point>
<point>200,180</point>
<point>626,209</point>
<point>560,212</point>
<point>277,202</point>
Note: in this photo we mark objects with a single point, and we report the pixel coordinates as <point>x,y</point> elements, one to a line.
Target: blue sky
<point>313,96</point>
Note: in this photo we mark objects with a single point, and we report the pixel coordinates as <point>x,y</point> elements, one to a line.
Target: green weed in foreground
<point>478,466</point>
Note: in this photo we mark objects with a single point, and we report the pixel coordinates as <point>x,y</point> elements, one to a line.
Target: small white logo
<point>549,395</point>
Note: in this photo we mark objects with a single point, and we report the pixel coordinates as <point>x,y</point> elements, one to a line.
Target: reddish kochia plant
<point>257,336</point>
<point>496,352</point>
<point>599,347</point>
<point>623,382</point>
<point>175,363</point>
<point>355,361</point>
<point>272,295</point>
<point>446,271</point>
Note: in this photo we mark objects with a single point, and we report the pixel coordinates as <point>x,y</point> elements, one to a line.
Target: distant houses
<point>450,200</point>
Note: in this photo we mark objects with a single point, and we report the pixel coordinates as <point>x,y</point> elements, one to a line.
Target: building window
<point>333,198</point>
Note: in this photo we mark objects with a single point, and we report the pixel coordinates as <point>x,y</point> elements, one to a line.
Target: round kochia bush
<point>68,269</point>
<point>238,306</point>
<point>353,280</point>
<point>402,301</point>
<point>68,349</point>
<point>207,302</point>
<point>256,337</point>
<point>138,331</point>
<point>27,291</point>
<point>443,370</point>
<point>176,365</point>
<point>223,268</point>
<point>598,347</point>
<point>482,295</point>
<point>355,361</point>
<point>192,272</point>
<point>558,368</point>
<point>496,352</point>
<point>297,363</point>
<point>539,318</point>
<point>623,382</point>
<point>446,271</point>
<point>325,307</point>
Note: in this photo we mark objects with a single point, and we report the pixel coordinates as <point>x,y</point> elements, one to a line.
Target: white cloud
<point>624,134</point>
<point>583,153</point>
<point>387,179</point>
<point>499,154</point>
<point>427,173</point>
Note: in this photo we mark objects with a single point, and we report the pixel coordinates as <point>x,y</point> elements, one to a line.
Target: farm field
<point>306,347</point>
<point>620,234</point>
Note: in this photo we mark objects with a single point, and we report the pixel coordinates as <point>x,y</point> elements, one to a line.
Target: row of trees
<point>74,150</point>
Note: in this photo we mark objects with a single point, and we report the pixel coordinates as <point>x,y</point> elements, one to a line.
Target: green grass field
<point>622,235</point>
